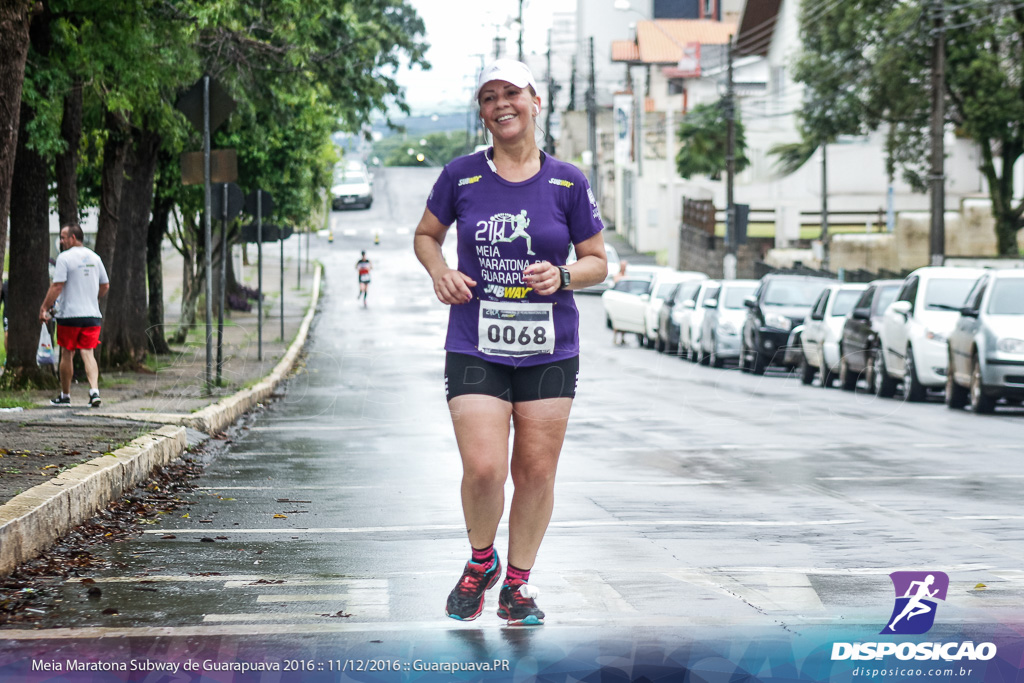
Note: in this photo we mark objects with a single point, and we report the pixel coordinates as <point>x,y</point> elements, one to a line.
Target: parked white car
<point>675,312</point>
<point>691,319</point>
<point>986,347</point>
<point>661,286</point>
<point>625,303</point>
<point>724,313</point>
<point>915,328</point>
<point>823,330</point>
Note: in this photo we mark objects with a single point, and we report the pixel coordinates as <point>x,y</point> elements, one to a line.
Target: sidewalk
<point>46,452</point>
<point>625,251</point>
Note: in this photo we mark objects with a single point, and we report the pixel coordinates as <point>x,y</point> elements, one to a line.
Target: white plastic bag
<point>44,352</point>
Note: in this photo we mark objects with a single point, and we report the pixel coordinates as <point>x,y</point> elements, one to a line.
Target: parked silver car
<point>723,320</point>
<point>986,348</point>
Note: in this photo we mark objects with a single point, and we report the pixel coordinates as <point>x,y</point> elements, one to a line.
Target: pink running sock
<point>516,575</point>
<point>484,557</point>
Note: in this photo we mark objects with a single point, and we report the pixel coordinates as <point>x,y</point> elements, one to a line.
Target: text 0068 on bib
<point>516,329</point>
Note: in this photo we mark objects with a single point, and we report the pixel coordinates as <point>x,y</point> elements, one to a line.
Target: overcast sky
<point>459,31</point>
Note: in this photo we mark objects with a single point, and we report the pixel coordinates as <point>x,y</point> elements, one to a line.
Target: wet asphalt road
<point>693,504</point>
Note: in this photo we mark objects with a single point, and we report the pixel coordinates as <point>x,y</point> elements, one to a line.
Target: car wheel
<point>828,377</point>
<point>647,341</point>
<point>847,378</point>
<point>716,358</point>
<point>608,322</point>
<point>743,359</point>
<point>981,402</point>
<point>806,371</point>
<point>758,363</point>
<point>871,370</point>
<point>956,396</point>
<point>915,391</point>
<point>659,345</point>
<point>885,386</point>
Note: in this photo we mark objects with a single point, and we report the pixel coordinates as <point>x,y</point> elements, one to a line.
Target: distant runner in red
<point>363,266</point>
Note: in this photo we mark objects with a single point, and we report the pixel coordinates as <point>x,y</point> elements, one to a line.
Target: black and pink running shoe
<point>466,601</point>
<point>518,606</point>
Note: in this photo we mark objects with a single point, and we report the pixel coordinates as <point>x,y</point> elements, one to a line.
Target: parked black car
<point>780,303</point>
<point>858,345</point>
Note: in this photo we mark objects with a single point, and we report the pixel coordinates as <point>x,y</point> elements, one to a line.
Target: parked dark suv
<point>859,342</point>
<point>780,303</point>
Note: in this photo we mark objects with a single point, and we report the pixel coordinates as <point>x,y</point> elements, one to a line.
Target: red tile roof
<point>625,51</point>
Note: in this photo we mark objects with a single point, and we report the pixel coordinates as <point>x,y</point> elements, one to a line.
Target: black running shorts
<point>465,374</point>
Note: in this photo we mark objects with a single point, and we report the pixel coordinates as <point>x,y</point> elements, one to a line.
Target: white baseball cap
<point>508,70</point>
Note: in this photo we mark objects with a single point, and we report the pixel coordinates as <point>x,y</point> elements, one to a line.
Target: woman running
<point>513,330</point>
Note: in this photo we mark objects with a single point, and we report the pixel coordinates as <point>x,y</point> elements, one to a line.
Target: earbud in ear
<point>536,109</point>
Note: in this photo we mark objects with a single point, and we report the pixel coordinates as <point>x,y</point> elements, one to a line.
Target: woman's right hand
<point>453,287</point>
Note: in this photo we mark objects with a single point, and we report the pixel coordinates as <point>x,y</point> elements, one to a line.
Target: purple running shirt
<point>502,227</point>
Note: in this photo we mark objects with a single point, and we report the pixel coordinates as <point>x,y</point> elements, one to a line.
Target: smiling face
<point>508,110</point>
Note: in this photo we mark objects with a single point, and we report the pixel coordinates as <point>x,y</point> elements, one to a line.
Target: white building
<point>650,193</point>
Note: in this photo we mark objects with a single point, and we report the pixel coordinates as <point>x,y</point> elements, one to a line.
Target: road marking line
<point>311,428</point>
<point>375,598</point>
<point>989,518</point>
<point>276,618</point>
<point>563,525</point>
<point>597,594</point>
<point>247,580</point>
<point>359,584</point>
<point>285,487</point>
<point>709,482</point>
<point>923,477</point>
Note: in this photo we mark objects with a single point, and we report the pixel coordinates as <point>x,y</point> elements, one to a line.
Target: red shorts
<point>72,338</point>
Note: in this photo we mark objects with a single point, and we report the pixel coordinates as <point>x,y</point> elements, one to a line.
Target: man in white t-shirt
<point>79,280</point>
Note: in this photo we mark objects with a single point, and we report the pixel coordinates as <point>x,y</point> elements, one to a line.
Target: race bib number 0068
<point>516,329</point>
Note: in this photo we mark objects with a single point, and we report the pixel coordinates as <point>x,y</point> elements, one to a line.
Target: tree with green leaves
<point>866,65</point>
<point>15,16</point>
<point>102,123</point>
<point>704,144</point>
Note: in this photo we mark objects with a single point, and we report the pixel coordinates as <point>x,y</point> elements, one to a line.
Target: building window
<point>708,9</point>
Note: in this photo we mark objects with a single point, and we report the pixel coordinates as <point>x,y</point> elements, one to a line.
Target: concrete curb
<point>32,521</point>
<point>216,418</point>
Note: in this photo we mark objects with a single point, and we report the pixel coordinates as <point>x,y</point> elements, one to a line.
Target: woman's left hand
<point>544,277</point>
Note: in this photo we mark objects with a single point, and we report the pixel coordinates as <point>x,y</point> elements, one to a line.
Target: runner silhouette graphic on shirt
<point>914,606</point>
<point>519,225</point>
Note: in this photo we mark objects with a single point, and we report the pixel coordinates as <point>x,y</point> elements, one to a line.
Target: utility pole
<point>938,176</point>
<point>521,32</point>
<point>592,125</point>
<point>729,261</point>
<point>549,140</point>
<point>824,207</point>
